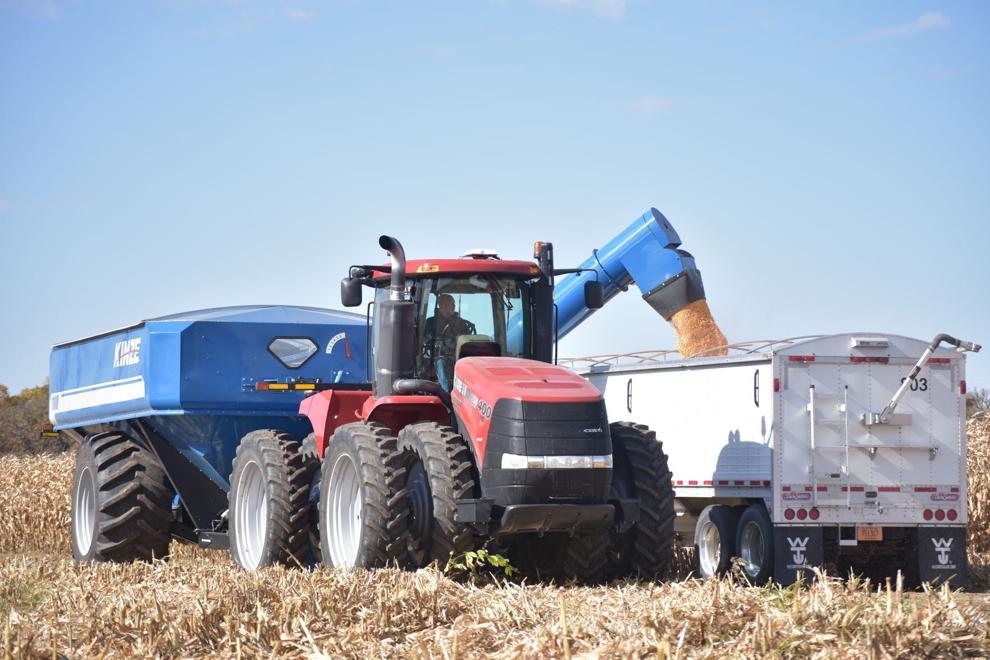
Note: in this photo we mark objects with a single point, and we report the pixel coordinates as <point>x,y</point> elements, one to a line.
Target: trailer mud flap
<point>942,555</point>
<point>797,550</point>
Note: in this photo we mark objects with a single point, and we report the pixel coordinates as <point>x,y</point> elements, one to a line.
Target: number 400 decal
<point>918,384</point>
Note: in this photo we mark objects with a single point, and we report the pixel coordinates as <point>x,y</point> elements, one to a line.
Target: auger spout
<point>648,254</point>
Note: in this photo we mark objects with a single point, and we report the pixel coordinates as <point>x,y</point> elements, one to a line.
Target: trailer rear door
<point>829,459</point>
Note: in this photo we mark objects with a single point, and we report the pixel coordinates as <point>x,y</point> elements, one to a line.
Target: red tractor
<point>468,434</point>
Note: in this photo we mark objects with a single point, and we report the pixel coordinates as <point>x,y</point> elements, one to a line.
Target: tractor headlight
<point>518,462</point>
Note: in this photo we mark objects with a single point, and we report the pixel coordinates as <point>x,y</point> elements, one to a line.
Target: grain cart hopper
<point>844,451</point>
<point>440,441</point>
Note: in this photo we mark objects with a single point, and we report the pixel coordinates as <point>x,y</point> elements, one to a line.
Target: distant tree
<point>22,417</point>
<point>977,402</point>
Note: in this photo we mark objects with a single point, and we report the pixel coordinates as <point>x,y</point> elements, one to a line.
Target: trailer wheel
<point>640,471</point>
<point>754,544</point>
<point>121,501</point>
<point>439,471</point>
<point>268,501</point>
<point>715,540</point>
<point>363,509</point>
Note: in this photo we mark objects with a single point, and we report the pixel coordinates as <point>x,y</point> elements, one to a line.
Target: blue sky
<point>827,163</point>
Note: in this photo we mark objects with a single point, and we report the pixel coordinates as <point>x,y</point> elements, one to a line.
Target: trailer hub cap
<point>251,515</point>
<point>84,518</point>
<point>709,549</point>
<point>343,515</point>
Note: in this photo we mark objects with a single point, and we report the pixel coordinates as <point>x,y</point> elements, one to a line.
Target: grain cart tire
<point>715,540</point>
<point>439,472</point>
<point>562,558</point>
<point>121,501</point>
<point>363,508</point>
<point>268,501</point>
<point>640,472</point>
<point>309,454</point>
<point>754,544</point>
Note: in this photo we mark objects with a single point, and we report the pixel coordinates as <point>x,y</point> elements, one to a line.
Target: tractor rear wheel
<point>309,454</point>
<point>640,472</point>
<point>439,471</point>
<point>363,509</point>
<point>121,501</point>
<point>269,501</point>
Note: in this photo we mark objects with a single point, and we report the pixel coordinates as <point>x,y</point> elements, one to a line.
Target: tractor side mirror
<point>594,295</point>
<point>350,292</point>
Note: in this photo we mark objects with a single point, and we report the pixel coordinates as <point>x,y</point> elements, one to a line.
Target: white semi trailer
<point>845,451</point>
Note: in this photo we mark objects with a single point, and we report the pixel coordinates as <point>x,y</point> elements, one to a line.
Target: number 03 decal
<point>918,384</point>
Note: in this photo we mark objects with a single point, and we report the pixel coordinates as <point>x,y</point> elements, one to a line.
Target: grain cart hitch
<point>885,415</point>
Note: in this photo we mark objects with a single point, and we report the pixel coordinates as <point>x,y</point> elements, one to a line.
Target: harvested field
<point>199,604</point>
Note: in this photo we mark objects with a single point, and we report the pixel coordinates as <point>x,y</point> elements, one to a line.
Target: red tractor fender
<point>399,411</point>
<point>329,409</point>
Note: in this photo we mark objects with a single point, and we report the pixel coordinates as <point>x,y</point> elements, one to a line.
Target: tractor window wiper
<point>506,303</point>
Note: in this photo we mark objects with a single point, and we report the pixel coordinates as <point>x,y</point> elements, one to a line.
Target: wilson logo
<point>799,546</point>
<point>943,548</point>
<point>127,352</point>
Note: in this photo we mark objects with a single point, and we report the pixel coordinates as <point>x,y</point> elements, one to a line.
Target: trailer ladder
<point>840,424</point>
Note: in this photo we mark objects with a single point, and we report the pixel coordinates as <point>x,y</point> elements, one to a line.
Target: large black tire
<point>439,472</point>
<point>754,544</point>
<point>561,558</point>
<point>363,508</point>
<point>715,540</point>
<point>314,555</point>
<point>269,501</point>
<point>121,501</point>
<point>640,471</point>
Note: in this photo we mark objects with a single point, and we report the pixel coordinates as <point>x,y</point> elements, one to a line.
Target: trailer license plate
<point>869,533</point>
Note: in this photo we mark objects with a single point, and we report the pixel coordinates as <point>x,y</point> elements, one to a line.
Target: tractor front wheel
<point>268,501</point>
<point>439,471</point>
<point>363,507</point>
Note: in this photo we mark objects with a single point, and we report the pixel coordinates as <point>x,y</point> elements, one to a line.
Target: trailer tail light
<point>938,360</point>
<point>858,359</point>
<point>801,358</point>
<point>927,515</point>
<point>962,387</point>
<point>814,514</point>
<point>789,514</point>
<point>776,384</point>
<point>802,514</point>
<point>939,514</point>
<point>951,514</point>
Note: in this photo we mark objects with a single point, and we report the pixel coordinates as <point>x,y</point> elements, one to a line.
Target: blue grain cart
<point>186,387</point>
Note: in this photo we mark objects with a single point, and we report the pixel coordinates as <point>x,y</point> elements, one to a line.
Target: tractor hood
<point>490,379</point>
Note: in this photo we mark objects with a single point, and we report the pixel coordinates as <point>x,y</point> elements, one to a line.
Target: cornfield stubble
<point>198,603</point>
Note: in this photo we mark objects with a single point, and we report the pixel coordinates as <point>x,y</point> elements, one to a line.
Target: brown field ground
<point>198,603</point>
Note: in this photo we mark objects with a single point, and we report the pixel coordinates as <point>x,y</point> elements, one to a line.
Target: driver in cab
<point>443,329</point>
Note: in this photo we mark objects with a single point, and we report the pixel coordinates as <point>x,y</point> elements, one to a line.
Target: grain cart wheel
<point>715,540</point>
<point>439,471</point>
<point>309,454</point>
<point>363,507</point>
<point>754,544</point>
<point>640,472</point>
<point>268,500</point>
<point>121,501</point>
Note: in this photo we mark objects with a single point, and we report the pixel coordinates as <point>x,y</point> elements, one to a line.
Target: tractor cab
<point>463,313</point>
